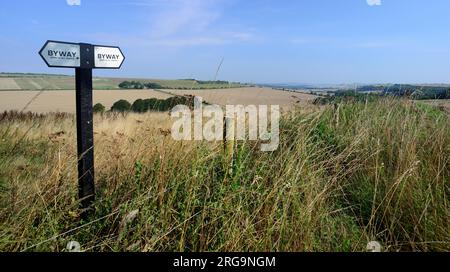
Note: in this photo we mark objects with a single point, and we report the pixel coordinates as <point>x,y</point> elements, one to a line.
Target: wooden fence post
<point>229,134</point>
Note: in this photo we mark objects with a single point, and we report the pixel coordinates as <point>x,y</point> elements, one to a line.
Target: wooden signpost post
<point>83,57</point>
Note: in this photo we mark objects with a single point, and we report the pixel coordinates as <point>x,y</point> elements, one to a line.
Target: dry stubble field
<point>64,101</point>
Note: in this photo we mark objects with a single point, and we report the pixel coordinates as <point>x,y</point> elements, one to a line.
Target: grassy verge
<point>341,177</point>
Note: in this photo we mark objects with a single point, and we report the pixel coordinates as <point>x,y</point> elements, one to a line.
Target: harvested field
<point>8,84</point>
<point>64,101</point>
<point>443,104</point>
<point>249,96</point>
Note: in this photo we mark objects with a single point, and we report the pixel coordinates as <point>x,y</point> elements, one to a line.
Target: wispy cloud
<point>192,41</point>
<point>170,17</point>
<point>220,39</point>
<point>374,2</point>
<point>183,23</point>
<point>181,16</point>
<point>73,2</point>
<point>174,41</point>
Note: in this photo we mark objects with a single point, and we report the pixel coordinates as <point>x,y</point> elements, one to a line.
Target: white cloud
<point>175,41</point>
<point>374,2</point>
<point>181,16</point>
<point>193,41</point>
<point>218,39</point>
<point>180,23</point>
<point>73,2</point>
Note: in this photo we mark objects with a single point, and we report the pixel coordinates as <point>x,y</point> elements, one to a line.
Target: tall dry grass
<point>341,177</point>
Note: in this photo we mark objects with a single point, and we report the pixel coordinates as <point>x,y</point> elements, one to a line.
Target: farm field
<point>49,82</point>
<point>443,104</point>
<point>63,82</point>
<point>250,96</point>
<point>64,101</point>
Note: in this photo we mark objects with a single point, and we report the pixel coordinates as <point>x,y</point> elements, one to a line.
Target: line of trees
<point>212,82</point>
<point>139,85</point>
<point>411,91</point>
<point>152,85</point>
<point>145,105</point>
<point>153,104</point>
<point>418,92</point>
<point>408,91</point>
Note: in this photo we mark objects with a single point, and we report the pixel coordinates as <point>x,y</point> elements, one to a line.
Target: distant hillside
<point>3,74</point>
<point>419,92</point>
<point>30,81</point>
<point>183,84</point>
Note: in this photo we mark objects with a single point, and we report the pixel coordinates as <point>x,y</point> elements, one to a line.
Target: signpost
<point>83,57</point>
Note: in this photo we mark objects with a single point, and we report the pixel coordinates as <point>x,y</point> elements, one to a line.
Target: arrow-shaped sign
<point>108,57</point>
<point>61,54</point>
<point>76,55</point>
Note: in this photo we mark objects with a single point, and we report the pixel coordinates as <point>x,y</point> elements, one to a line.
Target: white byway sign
<point>81,55</point>
<point>107,57</point>
<point>57,54</point>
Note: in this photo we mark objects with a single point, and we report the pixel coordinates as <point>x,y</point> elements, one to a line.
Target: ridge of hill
<point>32,82</point>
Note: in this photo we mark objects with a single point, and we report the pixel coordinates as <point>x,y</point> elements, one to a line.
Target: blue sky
<point>267,41</point>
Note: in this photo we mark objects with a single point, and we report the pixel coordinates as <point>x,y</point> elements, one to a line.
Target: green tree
<point>138,106</point>
<point>99,108</point>
<point>125,85</point>
<point>121,106</point>
<point>138,85</point>
<point>152,85</point>
<point>151,104</point>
